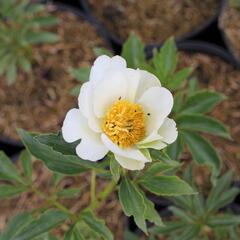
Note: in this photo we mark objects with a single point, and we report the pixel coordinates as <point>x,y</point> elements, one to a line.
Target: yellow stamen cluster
<point>124,123</point>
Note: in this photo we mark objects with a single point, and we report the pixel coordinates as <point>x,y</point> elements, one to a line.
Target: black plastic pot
<point>225,38</point>
<point>119,42</point>
<point>12,146</point>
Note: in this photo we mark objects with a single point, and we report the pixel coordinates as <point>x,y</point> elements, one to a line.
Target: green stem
<point>106,192</point>
<point>54,202</point>
<point>93,186</point>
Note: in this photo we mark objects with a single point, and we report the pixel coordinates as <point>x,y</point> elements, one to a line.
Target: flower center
<point>124,123</point>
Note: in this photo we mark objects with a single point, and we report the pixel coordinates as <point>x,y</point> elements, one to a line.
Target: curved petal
<point>158,144</point>
<point>132,152</point>
<point>132,79</point>
<point>157,103</point>
<point>147,80</point>
<point>73,125</point>
<point>168,131</point>
<point>91,148</point>
<point>102,64</point>
<point>108,92</point>
<point>85,104</point>
<point>129,163</point>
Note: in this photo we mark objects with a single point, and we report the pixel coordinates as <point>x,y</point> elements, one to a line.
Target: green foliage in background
<point>20,29</point>
<point>197,217</point>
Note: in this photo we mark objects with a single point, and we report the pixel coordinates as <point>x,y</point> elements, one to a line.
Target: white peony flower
<point>121,110</point>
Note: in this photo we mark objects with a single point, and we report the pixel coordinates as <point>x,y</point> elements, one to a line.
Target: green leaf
<point>202,102</point>
<point>44,21</point>
<point>115,169</point>
<point>190,232</point>
<point>203,152</point>
<point>58,144</point>
<point>24,63</point>
<point>97,225</point>
<point>165,61</point>
<point>15,225</point>
<point>11,72</point>
<point>34,8</point>
<point>42,37</point>
<point>197,122</point>
<point>7,191</point>
<point>101,51</point>
<point>57,178</point>
<point>183,214</point>
<point>68,193</point>
<point>8,170</point>
<point>82,74</point>
<point>166,185</point>
<point>76,90</point>
<point>224,220</point>
<point>222,185</point>
<point>55,160</point>
<point>177,80</point>
<point>175,149</point>
<point>132,203</point>
<point>4,62</point>
<point>130,236</point>
<point>158,167</point>
<point>178,102</point>
<point>73,234</point>
<point>192,85</point>
<point>49,220</point>
<point>168,228</point>
<point>224,199</point>
<point>151,214</point>
<point>26,163</point>
<point>133,51</point>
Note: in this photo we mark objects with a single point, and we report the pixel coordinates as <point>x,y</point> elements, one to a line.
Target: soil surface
<point>39,100</point>
<point>110,210</point>
<point>153,20</point>
<point>230,22</point>
<point>215,74</point>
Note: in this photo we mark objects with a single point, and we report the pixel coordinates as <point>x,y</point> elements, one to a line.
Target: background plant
<point>20,29</point>
<point>200,218</point>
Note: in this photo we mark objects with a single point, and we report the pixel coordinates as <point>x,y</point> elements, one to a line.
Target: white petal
<point>158,102</point>
<point>129,163</point>
<point>85,103</point>
<point>168,131</point>
<point>132,79</point>
<point>154,136</point>
<point>108,92</point>
<point>132,152</point>
<point>102,64</point>
<point>98,69</point>
<point>117,62</point>
<point>155,144</point>
<point>73,125</point>
<point>147,80</point>
<point>91,148</point>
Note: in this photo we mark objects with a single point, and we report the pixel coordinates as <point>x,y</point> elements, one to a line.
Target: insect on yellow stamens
<point>124,123</point>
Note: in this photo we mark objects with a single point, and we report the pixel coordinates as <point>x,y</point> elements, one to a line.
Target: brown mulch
<point>153,20</point>
<point>230,23</point>
<point>39,100</point>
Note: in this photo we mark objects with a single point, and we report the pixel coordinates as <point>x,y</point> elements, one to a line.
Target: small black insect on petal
<point>148,114</point>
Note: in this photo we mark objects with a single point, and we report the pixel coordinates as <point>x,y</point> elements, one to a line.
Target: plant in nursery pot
<point>153,21</point>
<point>119,133</point>
<point>229,23</point>
<point>20,30</point>
<point>199,218</point>
<point>46,87</point>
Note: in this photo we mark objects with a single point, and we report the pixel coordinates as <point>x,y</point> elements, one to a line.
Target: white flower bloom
<point>121,110</point>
